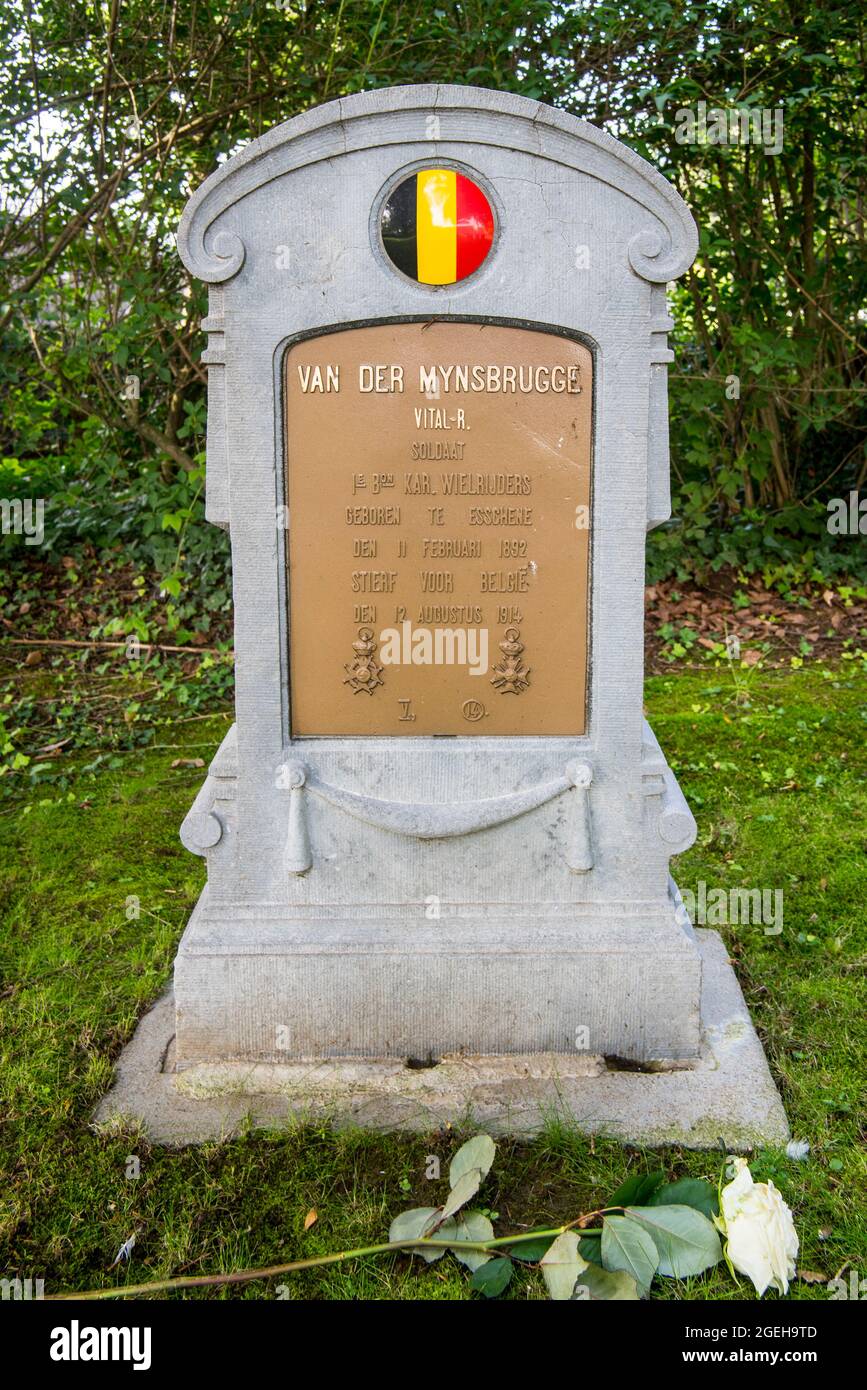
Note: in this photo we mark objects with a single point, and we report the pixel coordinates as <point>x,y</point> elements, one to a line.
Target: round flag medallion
<point>437,226</point>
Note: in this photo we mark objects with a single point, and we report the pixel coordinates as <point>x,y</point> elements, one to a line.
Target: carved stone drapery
<point>437,821</point>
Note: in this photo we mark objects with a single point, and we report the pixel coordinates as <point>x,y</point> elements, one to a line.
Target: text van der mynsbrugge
<point>468,376</point>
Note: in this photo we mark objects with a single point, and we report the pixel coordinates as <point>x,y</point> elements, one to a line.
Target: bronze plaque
<point>438,490</point>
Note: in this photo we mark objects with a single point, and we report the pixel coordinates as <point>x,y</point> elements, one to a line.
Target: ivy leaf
<point>604,1285</point>
<point>474,1227</point>
<point>627,1246</point>
<point>687,1192</point>
<point>492,1277</point>
<point>562,1266</point>
<point>411,1225</point>
<point>476,1153</point>
<point>636,1190</point>
<point>686,1240</point>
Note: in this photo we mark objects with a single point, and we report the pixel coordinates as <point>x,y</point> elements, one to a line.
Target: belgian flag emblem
<point>437,226</point>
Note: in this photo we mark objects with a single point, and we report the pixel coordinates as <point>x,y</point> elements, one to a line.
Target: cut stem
<point>245,1276</point>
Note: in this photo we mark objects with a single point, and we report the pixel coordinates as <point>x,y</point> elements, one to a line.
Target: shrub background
<point>113,113</point>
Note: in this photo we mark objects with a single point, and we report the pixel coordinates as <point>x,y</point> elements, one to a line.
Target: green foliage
<point>468,1169</point>
<point>639,1187</point>
<point>71,720</point>
<point>686,1242</point>
<point>689,1192</point>
<point>111,120</point>
<point>492,1278</point>
<point>628,1247</point>
<point>672,1238</point>
<point>787,548</point>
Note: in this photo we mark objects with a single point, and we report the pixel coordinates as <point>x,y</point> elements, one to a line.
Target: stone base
<point>726,1094</point>
<point>623,982</point>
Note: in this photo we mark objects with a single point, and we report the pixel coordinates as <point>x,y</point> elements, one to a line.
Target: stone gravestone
<point>440,827</point>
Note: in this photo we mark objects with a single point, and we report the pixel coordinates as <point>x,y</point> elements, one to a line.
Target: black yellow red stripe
<point>437,226</point>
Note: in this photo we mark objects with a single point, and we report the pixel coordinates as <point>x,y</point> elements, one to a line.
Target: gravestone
<point>440,827</point>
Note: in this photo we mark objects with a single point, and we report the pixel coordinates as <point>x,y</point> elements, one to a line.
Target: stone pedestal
<point>410,989</point>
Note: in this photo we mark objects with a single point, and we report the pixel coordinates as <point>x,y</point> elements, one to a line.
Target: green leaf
<point>562,1265</point>
<point>590,1247</point>
<point>603,1285</point>
<point>627,1246</point>
<point>686,1240</point>
<point>413,1224</point>
<point>687,1192</point>
<point>532,1250</point>
<point>475,1227</point>
<point>636,1190</point>
<point>465,1188</point>
<point>476,1153</point>
<point>492,1277</point>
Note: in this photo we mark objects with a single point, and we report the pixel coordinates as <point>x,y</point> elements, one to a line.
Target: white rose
<point>761,1238</point>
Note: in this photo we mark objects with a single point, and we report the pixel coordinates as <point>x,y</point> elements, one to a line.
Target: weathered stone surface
<point>726,1094</point>
<point>403,986</point>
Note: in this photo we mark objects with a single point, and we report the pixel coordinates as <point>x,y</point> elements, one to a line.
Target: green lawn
<point>775,773</point>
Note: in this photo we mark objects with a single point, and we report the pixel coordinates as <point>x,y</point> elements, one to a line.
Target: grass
<point>97,888</point>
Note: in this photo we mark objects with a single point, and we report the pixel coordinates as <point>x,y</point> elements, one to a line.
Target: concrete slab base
<point>728,1094</point>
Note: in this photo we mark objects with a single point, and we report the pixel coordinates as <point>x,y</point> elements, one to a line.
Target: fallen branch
<point>71,642</point>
